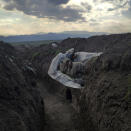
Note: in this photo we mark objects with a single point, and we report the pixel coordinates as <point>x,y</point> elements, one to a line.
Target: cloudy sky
<point>35,16</point>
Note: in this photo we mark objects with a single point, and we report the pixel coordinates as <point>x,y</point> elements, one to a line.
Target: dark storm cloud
<point>59,1</point>
<point>46,9</point>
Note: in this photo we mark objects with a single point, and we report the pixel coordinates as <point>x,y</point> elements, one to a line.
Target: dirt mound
<point>105,102</point>
<point>96,43</point>
<point>21,107</point>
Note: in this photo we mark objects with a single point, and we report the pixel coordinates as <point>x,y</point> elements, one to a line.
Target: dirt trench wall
<point>21,107</point>
<point>105,102</point>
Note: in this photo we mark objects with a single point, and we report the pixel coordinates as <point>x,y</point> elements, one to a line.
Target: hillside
<point>21,106</point>
<point>48,36</point>
<point>33,100</point>
<point>41,56</point>
<point>106,96</point>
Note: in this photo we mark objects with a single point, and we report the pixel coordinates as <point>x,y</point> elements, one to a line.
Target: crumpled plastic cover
<point>64,79</point>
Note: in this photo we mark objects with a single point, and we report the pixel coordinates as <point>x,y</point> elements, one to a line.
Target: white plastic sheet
<point>54,45</point>
<point>64,79</point>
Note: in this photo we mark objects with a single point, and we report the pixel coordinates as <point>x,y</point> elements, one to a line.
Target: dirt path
<point>58,112</point>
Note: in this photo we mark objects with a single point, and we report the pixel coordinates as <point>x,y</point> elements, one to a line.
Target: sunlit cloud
<point>31,16</point>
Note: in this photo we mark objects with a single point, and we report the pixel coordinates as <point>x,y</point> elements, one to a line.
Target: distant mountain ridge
<point>49,36</point>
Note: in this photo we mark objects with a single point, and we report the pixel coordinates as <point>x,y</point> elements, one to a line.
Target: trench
<point>58,111</point>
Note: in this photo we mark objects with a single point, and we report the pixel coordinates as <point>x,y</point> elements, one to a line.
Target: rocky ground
<point>31,100</point>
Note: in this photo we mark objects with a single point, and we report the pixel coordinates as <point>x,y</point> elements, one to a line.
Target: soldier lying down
<point>73,69</point>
